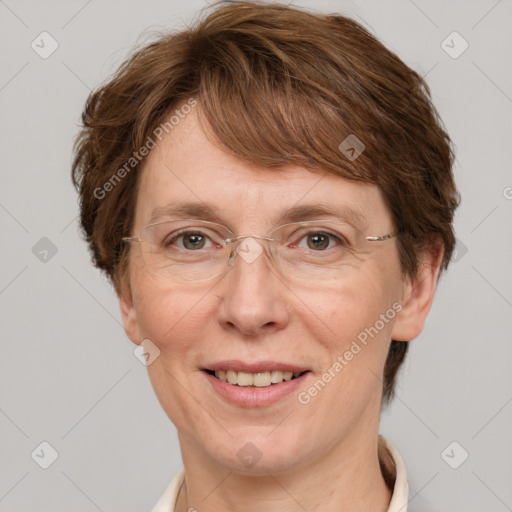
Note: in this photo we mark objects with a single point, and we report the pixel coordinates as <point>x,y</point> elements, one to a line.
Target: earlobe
<point>418,295</point>
<point>129,317</point>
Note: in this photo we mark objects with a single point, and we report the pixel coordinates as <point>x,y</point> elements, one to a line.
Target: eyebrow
<point>297,213</point>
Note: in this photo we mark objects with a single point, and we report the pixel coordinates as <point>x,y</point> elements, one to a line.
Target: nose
<point>253,294</point>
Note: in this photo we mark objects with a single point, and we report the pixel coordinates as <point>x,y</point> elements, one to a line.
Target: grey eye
<point>189,240</point>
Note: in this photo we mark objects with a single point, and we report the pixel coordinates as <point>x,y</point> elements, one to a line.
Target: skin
<point>322,455</point>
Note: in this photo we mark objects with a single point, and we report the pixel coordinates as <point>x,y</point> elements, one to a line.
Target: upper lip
<point>255,367</point>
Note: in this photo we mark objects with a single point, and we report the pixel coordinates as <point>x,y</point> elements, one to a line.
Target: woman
<point>270,192</point>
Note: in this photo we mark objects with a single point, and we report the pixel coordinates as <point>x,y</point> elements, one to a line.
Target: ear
<point>129,316</point>
<point>418,296</point>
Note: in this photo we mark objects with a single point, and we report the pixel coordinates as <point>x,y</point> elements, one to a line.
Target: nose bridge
<point>252,297</point>
<point>248,248</point>
<point>235,241</point>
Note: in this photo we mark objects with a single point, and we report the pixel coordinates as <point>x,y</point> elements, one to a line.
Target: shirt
<point>391,465</point>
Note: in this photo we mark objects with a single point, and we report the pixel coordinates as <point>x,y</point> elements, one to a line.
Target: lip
<point>255,367</point>
<point>251,396</point>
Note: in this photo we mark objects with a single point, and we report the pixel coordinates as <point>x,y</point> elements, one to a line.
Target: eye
<point>320,241</point>
<point>189,240</point>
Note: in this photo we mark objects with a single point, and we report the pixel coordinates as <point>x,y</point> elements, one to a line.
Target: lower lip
<point>251,396</point>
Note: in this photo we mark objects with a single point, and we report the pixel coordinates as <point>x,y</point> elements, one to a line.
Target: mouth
<point>260,379</point>
<point>254,384</point>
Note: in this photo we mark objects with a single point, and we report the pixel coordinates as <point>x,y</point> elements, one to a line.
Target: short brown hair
<point>277,86</point>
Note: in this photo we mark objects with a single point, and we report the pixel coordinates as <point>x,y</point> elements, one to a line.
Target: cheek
<point>338,315</point>
<point>172,319</point>
<point>351,327</point>
<point>176,322</point>
<point>352,340</point>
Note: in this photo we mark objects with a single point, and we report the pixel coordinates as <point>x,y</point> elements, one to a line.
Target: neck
<point>347,479</point>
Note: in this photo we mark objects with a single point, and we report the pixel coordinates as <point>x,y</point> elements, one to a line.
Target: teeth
<point>245,379</point>
<point>259,380</point>
<point>276,376</point>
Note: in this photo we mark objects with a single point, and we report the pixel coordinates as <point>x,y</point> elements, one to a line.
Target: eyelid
<point>319,226</point>
<point>197,224</point>
<point>180,233</point>
<point>320,223</point>
<point>194,224</point>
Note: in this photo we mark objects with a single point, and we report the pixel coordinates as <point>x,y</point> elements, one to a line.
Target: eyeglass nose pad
<point>233,250</point>
<point>232,256</point>
<point>232,247</point>
<point>247,247</point>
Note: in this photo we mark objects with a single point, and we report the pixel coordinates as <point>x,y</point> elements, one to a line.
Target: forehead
<point>187,167</point>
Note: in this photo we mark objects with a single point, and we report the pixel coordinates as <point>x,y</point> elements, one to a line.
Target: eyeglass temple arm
<point>381,237</point>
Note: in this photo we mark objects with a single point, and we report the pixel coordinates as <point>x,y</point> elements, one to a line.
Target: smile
<point>261,379</point>
<point>254,383</point>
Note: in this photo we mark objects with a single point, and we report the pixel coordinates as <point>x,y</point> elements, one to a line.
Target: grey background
<point>68,375</point>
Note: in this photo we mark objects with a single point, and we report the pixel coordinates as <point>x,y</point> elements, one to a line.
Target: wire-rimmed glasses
<point>191,250</point>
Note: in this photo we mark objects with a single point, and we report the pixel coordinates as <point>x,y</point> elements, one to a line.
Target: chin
<point>258,453</point>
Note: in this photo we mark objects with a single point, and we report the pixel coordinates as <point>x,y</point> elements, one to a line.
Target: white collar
<point>399,498</point>
<point>167,502</point>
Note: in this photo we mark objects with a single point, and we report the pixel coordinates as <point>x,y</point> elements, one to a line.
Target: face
<point>254,319</point>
